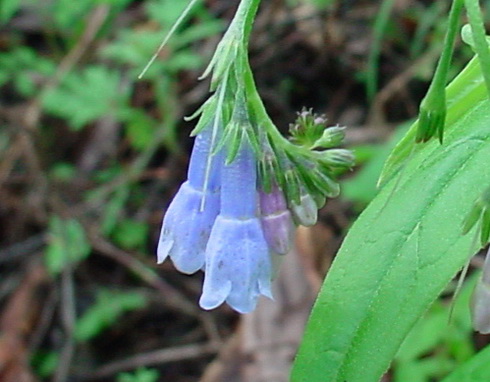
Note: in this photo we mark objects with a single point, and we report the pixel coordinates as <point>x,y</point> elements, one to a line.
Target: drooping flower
<point>188,221</point>
<point>238,265</point>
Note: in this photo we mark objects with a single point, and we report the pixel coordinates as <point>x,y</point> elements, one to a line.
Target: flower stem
<point>479,37</point>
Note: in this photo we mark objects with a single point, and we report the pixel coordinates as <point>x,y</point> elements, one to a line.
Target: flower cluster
<point>226,221</point>
<point>248,186</point>
<point>220,222</point>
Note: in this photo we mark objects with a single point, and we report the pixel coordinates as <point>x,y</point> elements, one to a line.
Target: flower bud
<point>331,137</point>
<point>276,221</point>
<point>305,213</point>
<point>337,158</point>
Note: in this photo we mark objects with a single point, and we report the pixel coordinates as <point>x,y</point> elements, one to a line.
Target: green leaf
<point>25,68</point>
<point>45,363</point>
<point>113,209</point>
<point>131,234</point>
<point>361,188</point>
<point>8,9</point>
<point>399,256</point>
<point>68,14</point>
<point>67,244</point>
<point>140,375</point>
<point>140,129</point>
<point>107,309</point>
<point>433,337</point>
<point>86,96</point>
<point>477,369</point>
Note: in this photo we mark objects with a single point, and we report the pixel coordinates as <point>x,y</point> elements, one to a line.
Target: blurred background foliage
<point>90,158</point>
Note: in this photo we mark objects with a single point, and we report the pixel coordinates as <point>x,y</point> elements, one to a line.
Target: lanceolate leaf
<point>399,256</point>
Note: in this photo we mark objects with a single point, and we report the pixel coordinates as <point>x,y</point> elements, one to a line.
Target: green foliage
<point>68,244</point>
<point>140,375</point>
<point>112,211</point>
<point>45,363</point>
<point>106,311</point>
<point>476,369</point>
<point>435,345</point>
<point>134,47</point>
<point>362,187</point>
<point>8,9</point>
<point>140,129</point>
<point>403,252</point>
<point>25,69</point>
<point>63,171</point>
<point>86,96</point>
<point>131,234</point>
<point>69,16</point>
<point>379,29</point>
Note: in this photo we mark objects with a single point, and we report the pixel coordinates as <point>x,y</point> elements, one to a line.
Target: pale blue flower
<point>238,264</point>
<point>191,214</point>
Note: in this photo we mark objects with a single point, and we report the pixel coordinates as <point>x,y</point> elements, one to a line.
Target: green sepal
<point>264,175</point>
<point>336,158</point>
<point>233,142</point>
<point>207,114</point>
<point>207,104</point>
<point>432,118</point>
<point>331,137</point>
<point>253,139</point>
<point>332,188</point>
<point>308,128</point>
<point>292,186</point>
<point>224,139</point>
<point>313,187</point>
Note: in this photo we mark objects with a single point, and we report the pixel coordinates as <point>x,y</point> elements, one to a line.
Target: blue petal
<point>186,228</point>
<point>238,184</point>
<point>203,164</point>
<point>238,265</point>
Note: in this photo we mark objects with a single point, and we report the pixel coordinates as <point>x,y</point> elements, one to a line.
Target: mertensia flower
<point>238,264</point>
<point>248,186</point>
<point>187,224</point>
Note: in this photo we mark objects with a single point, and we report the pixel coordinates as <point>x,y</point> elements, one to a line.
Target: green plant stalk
<point>442,69</point>
<point>433,106</point>
<point>378,30</point>
<point>479,37</point>
<point>263,119</point>
<point>463,92</point>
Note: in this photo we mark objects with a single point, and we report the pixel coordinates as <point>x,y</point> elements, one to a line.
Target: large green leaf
<point>404,248</point>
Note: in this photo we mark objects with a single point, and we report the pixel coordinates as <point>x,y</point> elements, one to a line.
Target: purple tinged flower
<point>188,221</point>
<point>276,220</point>
<point>238,264</point>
